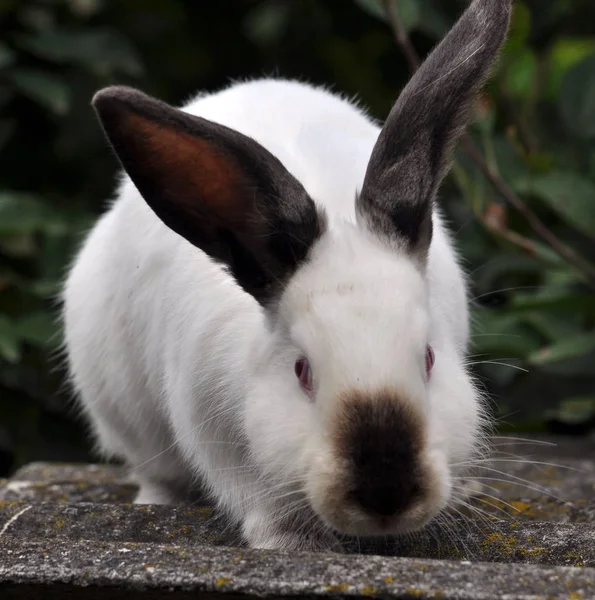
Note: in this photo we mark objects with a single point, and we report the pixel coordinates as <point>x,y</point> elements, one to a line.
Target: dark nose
<point>383,440</point>
<point>382,500</point>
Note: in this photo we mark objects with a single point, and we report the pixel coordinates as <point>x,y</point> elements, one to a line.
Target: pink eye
<point>429,359</point>
<point>304,374</point>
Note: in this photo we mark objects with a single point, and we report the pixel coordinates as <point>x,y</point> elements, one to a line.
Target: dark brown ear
<point>217,188</point>
<point>415,146</point>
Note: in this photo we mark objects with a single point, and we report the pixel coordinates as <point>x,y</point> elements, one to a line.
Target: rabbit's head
<point>348,400</point>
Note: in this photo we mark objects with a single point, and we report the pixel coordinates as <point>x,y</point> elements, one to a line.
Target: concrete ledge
<point>70,531</point>
<point>55,482</point>
<point>563,544</point>
<point>108,569</point>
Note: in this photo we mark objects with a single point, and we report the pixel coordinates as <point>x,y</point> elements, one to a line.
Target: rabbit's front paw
<point>259,533</point>
<point>155,493</point>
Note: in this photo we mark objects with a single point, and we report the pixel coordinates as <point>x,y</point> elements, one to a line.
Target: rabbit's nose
<point>382,440</point>
<point>384,499</point>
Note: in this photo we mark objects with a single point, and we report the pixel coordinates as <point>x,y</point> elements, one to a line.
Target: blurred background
<point>531,252</point>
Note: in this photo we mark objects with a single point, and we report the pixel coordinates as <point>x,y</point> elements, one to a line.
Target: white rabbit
<point>258,312</point>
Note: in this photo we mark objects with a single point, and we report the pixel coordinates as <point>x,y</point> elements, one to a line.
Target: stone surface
<point>504,541</point>
<point>117,523</point>
<point>43,482</point>
<point>68,527</point>
<point>117,570</point>
<point>41,472</point>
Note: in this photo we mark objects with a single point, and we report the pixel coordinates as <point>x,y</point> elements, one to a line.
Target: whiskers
<point>469,518</point>
<point>498,362</point>
<point>483,467</point>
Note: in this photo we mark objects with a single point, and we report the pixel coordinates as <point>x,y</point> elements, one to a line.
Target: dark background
<point>534,313</point>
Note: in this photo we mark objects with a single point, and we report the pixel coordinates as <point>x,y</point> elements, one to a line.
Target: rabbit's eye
<point>429,359</point>
<point>304,374</point>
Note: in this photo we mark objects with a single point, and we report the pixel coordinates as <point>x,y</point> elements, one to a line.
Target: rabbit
<point>272,309</point>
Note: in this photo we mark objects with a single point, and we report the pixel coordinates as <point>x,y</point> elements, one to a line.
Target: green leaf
<point>38,328</point>
<point>21,214</point>
<point>521,75</point>
<point>9,343</point>
<point>101,50</point>
<point>536,250</point>
<point>45,89</point>
<point>56,251</point>
<point>572,304</point>
<point>432,19</point>
<point>408,11</point>
<point>575,410</point>
<point>6,56</point>
<point>511,166</point>
<point>552,327</point>
<point>44,288</point>
<point>266,22</point>
<point>85,8</point>
<point>541,162</point>
<point>520,28</point>
<point>570,195</point>
<point>576,101</point>
<point>21,246</point>
<point>560,277</point>
<point>497,272</point>
<point>563,55</point>
<point>372,7</point>
<point>501,336</point>
<point>570,347</point>
<point>7,128</point>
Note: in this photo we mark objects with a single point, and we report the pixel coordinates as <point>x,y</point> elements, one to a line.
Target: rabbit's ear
<point>415,146</point>
<point>217,188</point>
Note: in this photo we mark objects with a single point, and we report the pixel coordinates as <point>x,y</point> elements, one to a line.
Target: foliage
<point>536,129</point>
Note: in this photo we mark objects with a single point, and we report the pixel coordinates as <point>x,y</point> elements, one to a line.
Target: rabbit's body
<point>183,373</point>
<point>169,324</point>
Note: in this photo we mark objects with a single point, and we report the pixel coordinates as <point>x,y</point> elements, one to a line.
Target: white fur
<point>179,374</point>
